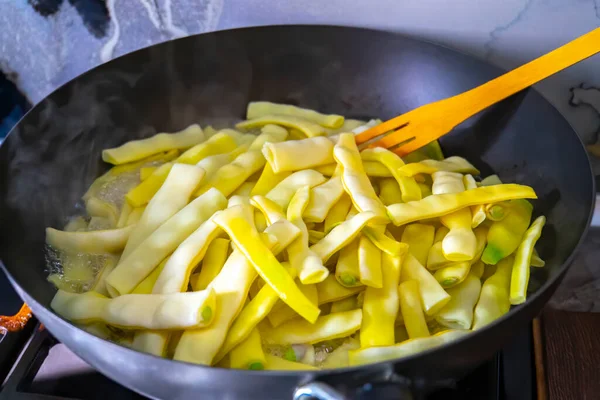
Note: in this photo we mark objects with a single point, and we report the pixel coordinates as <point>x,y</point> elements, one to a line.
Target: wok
<point>53,155</point>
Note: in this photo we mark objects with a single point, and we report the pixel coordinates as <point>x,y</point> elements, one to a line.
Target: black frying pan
<point>53,155</point>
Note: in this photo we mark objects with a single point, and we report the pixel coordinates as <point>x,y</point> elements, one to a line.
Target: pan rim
<point>328,372</point>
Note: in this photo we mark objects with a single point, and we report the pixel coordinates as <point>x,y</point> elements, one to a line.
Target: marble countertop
<point>45,43</point>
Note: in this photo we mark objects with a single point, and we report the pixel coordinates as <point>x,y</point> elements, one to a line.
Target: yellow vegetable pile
<point>280,245</point>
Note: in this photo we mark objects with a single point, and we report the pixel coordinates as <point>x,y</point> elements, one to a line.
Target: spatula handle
<point>471,102</point>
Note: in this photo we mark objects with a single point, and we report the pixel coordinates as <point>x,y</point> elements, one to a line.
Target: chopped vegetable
<point>458,313</point>
<point>322,199</point>
<point>505,236</point>
<point>310,129</point>
<point>258,109</point>
<point>520,271</point>
<point>299,154</point>
<point>355,180</point>
<point>138,149</point>
<point>108,241</point>
<point>450,164</point>
<point>494,300</point>
<point>438,205</point>
<point>433,296</point>
<point>138,311</point>
<point>419,238</point>
<point>380,306</point>
<point>267,181</point>
<point>249,353</point>
<point>164,240</point>
<point>246,238</point>
<point>408,186</point>
<point>214,259</point>
<point>330,290</point>
<point>412,311</point>
<point>331,326</point>
<point>283,192</point>
<point>403,349</point>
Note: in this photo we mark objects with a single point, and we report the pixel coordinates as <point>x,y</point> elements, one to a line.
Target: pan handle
<point>394,387</point>
<point>318,391</point>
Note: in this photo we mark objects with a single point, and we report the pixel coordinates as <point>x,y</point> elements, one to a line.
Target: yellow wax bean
<point>438,205</point>
<point>433,296</point>
<point>247,240</point>
<point>254,312</point>
<point>217,144</point>
<point>322,199</point>
<point>491,181</point>
<point>135,215</point>
<point>299,154</point>
<point>347,270</point>
<point>173,195</point>
<point>283,313</point>
<point>338,212</point>
<point>478,211</point>
<point>494,300</point>
<point>79,224</point>
<point>283,192</point>
<point>244,189</point>
<point>309,266</point>
<point>520,271</point>
<point>145,172</point>
<point>347,304</point>
<point>211,164</point>
<point>176,274</point>
<point>403,349</point>
<point>257,109</point>
<point>126,210</point>
<point>145,286</point>
<point>369,262</point>
<point>332,326</point>
<point>141,194</point>
<point>164,240</point>
<point>214,259</point>
<point>249,353</point>
<point>372,169</point>
<point>138,311</point>
<point>419,238</point>
<point>95,242</point>
<point>275,363</point>
<point>151,342</point>
<point>231,176</point>
<point>455,273</point>
<point>355,180</point>
<point>330,290</point>
<point>100,208</point>
<point>271,210</point>
<point>269,134</point>
<point>389,191</point>
<point>380,306</point>
<point>459,243</point>
<point>342,234</point>
<point>536,261</point>
<point>310,129</point>
<point>138,149</point>
<point>231,285</point>
<point>339,358</point>
<point>458,313</point>
<point>408,186</point>
<point>267,181</point>
<point>412,311</point>
<point>450,164</point>
<point>99,285</point>
<point>385,242</point>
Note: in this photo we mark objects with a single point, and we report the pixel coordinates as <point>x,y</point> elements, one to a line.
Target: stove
<point>35,366</point>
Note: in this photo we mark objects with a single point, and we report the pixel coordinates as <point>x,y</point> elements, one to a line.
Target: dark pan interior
<point>53,155</point>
